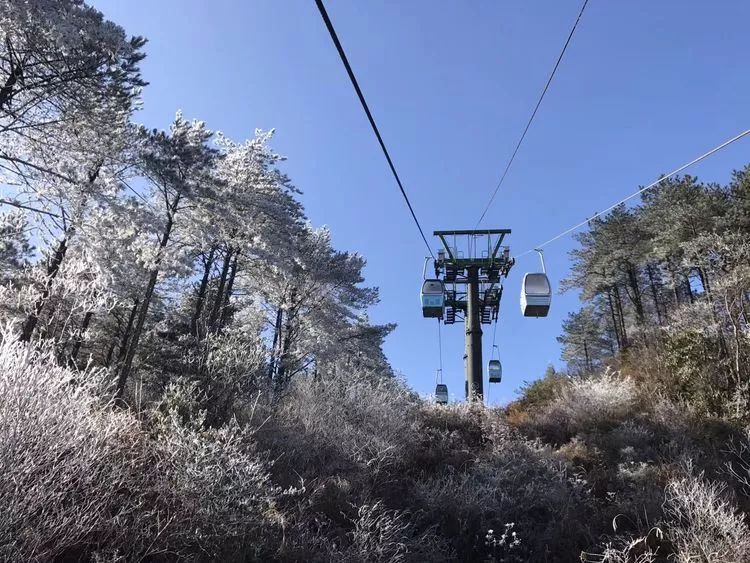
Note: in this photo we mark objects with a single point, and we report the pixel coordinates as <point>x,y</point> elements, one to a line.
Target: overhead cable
<point>361,96</point>
<point>640,191</point>
<point>440,346</point>
<point>533,114</point>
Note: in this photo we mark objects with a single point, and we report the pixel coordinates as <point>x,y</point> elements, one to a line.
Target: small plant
<point>503,547</point>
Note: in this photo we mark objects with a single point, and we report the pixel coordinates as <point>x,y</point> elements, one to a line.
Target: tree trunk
<point>714,316</point>
<point>125,340</point>
<point>275,345</point>
<point>618,304</point>
<point>654,292</point>
<point>16,72</point>
<point>225,311</point>
<point>704,281</point>
<point>689,290</point>
<point>737,340</point>
<point>219,297</point>
<point>611,343</point>
<point>201,297</point>
<point>675,282</point>
<point>586,354</point>
<point>110,353</point>
<point>615,324</point>
<point>52,270</point>
<point>636,297</point>
<point>287,340</point>
<point>127,363</point>
<point>146,301</point>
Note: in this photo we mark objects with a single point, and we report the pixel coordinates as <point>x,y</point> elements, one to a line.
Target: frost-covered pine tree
<point>69,80</point>
<point>61,61</point>
<point>312,301</point>
<point>182,195</point>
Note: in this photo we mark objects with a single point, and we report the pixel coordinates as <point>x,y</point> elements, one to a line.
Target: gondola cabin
<point>433,299</point>
<point>536,295</point>
<point>441,394</point>
<point>495,370</point>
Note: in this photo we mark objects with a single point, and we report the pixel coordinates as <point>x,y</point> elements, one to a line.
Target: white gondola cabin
<point>536,293</point>
<point>433,298</point>
<point>495,370</point>
<point>441,394</point>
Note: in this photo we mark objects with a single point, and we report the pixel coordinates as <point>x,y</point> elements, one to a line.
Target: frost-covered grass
<point>79,477</point>
<point>635,454</point>
<point>67,461</point>
<point>703,524</point>
<point>700,523</point>
<point>356,468</point>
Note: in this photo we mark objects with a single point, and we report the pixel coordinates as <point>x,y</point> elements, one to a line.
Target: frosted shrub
<point>351,443</point>
<point>597,400</point>
<point>65,458</point>
<point>79,479</point>
<point>739,466</point>
<point>630,553</point>
<point>700,524</point>
<point>382,535</point>
<point>229,370</point>
<point>450,435</point>
<point>378,534</point>
<point>362,418</point>
<point>503,544</point>
<point>588,404</point>
<point>512,481</point>
<point>703,525</point>
<point>215,486</point>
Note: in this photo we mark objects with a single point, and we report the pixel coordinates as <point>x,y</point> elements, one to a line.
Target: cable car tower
<point>471,265</point>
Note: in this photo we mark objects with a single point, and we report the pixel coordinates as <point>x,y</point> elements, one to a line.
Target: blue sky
<point>645,86</point>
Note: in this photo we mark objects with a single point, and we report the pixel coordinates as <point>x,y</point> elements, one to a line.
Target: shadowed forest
<point>188,371</point>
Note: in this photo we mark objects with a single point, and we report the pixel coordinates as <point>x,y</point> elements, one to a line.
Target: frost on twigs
<point>74,470</point>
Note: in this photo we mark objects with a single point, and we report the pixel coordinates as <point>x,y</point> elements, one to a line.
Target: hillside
<point>357,468</point>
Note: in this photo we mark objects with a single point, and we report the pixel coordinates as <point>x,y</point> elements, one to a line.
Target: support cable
<point>640,191</point>
<point>440,349</point>
<point>361,96</point>
<point>492,357</point>
<point>533,113</point>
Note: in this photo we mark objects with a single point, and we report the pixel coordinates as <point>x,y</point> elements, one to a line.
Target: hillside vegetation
<point>188,371</point>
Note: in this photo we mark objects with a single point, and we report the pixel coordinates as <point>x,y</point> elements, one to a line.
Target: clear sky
<point>645,86</point>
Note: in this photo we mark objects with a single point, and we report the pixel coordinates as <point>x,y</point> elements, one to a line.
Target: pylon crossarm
<point>497,246</point>
<point>447,247</point>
